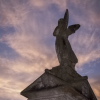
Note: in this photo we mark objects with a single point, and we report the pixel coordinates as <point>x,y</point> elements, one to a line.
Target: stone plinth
<point>50,87</point>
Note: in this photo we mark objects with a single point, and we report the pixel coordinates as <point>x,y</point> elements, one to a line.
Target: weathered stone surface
<point>64,51</point>
<point>61,82</point>
<point>58,93</point>
<point>50,87</point>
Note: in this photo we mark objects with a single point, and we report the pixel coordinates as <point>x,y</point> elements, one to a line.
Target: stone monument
<point>61,82</point>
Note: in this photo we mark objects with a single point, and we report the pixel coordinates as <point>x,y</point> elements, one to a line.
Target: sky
<point>27,44</point>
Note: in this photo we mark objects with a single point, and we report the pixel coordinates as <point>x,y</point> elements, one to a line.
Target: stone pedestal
<point>52,87</point>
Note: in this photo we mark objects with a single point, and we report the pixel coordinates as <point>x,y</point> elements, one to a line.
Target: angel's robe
<point>64,50</point>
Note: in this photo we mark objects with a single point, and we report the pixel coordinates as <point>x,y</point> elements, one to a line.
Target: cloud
<point>11,88</point>
<point>95,85</point>
<point>32,40</point>
<point>42,4</point>
<point>86,11</point>
<point>28,36</point>
<point>12,12</point>
<point>14,77</point>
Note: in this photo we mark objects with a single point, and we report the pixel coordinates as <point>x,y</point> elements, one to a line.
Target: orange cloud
<point>96,87</point>
<point>42,4</point>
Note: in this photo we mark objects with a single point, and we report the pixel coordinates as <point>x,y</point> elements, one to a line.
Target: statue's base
<point>58,93</point>
<point>55,85</point>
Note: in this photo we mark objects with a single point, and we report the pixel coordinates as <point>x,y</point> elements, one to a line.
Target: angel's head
<point>60,22</point>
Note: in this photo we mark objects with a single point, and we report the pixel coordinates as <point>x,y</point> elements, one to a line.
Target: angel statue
<point>61,82</point>
<point>65,54</point>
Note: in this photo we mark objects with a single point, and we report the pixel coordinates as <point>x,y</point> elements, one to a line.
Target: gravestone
<point>61,82</point>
